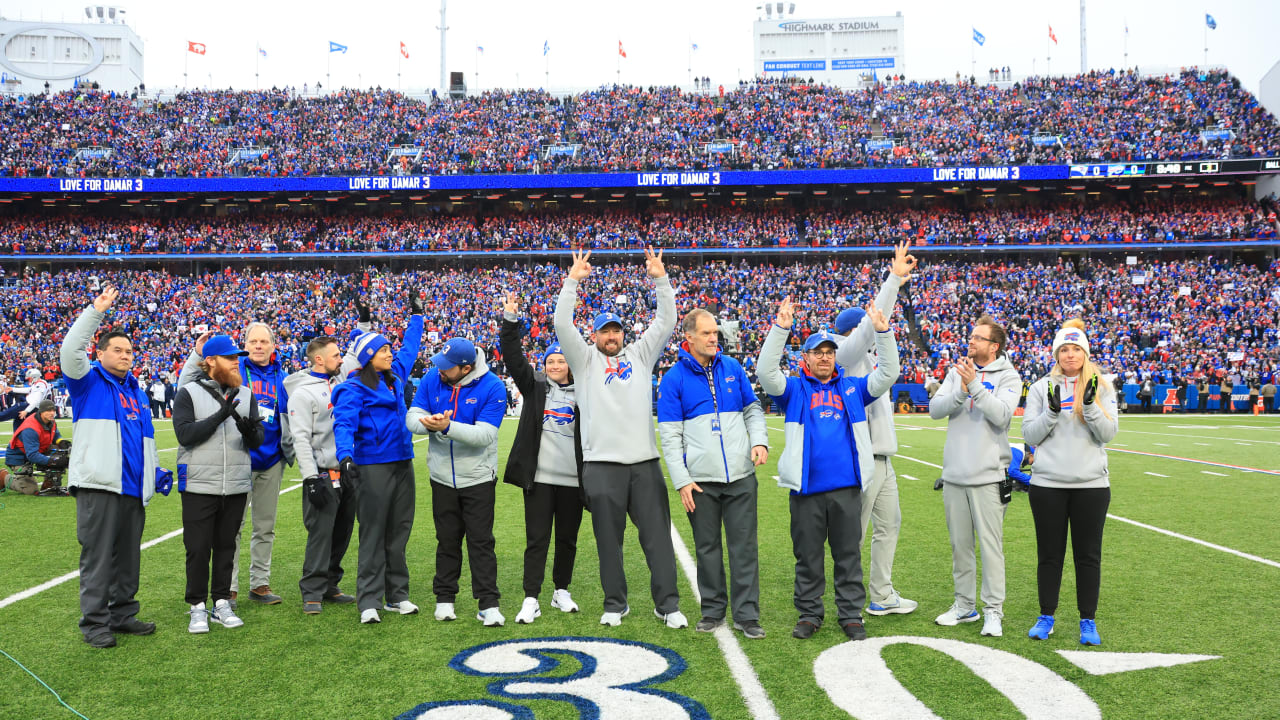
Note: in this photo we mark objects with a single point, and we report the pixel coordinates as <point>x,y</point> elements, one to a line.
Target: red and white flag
<point>195,47</point>
<point>404,49</point>
<point>621,52</point>
<point>1053,37</point>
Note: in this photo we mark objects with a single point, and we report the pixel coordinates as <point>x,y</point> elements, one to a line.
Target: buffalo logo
<point>1072,336</point>
<point>558,415</point>
<point>622,372</point>
<point>988,386</point>
<point>471,401</point>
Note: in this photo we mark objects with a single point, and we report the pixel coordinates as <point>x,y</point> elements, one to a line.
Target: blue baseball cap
<point>849,319</point>
<point>223,346</point>
<point>819,338</point>
<point>606,318</point>
<point>456,351</point>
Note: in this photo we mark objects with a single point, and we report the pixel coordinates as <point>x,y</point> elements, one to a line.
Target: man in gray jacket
<point>978,398</point>
<point>620,473</point>
<point>713,438</point>
<point>328,504</point>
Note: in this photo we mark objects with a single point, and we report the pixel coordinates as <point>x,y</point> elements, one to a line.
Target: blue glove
<point>164,481</point>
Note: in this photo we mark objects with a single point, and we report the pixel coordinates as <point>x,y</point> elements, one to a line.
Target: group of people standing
<point>585,442</point>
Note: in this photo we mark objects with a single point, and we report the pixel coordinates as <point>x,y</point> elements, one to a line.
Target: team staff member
<point>978,398</point>
<point>826,459</point>
<point>546,462</point>
<point>459,405</point>
<point>375,456</point>
<point>114,471</point>
<point>880,505</point>
<point>1071,416</point>
<point>328,503</point>
<point>214,440</point>
<point>713,438</point>
<point>620,470</point>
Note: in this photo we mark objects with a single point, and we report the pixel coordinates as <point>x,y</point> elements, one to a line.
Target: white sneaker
<point>369,617</point>
<point>444,611</point>
<point>492,617</point>
<point>562,601</point>
<point>614,619</point>
<point>955,616</point>
<point>897,605</point>
<point>529,611</point>
<point>404,607</point>
<point>199,619</point>
<point>674,620</point>
<point>991,623</point>
<point>224,615</point>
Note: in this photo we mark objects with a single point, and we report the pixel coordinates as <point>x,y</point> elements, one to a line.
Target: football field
<point>1189,614</point>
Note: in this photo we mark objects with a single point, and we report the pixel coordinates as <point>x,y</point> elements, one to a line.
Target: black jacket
<point>522,462</point>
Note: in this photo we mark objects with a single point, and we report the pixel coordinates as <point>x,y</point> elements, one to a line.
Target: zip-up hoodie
<point>857,356</point>
<point>1070,454</point>
<point>708,437</point>
<point>368,424</point>
<point>466,453</point>
<point>213,456</point>
<point>615,394</point>
<point>311,421</point>
<point>794,395</point>
<point>977,447</point>
<point>266,382</point>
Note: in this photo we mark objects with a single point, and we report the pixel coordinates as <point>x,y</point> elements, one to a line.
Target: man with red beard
<point>214,476</point>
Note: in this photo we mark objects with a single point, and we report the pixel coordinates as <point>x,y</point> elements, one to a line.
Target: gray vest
<point>220,464</point>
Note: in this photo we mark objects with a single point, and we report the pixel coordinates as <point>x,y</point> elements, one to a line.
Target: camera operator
<point>33,446</point>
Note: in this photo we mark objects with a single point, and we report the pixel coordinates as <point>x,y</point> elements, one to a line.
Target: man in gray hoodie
<point>328,504</point>
<point>978,398</point>
<point>620,472</point>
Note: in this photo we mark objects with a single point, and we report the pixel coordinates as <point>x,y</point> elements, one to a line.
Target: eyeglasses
<point>823,353</point>
<point>979,337</point>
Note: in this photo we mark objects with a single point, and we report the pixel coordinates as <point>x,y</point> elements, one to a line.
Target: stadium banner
<point>794,65</point>
<point>1167,396</point>
<point>861,63</point>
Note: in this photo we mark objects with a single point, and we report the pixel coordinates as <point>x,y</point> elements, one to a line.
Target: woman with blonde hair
<point>1070,417</point>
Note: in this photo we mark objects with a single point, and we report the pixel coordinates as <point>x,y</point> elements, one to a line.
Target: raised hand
<point>903,262</point>
<point>786,313</point>
<point>362,310</point>
<point>415,301</point>
<point>1054,397</point>
<point>1091,390</point>
<point>512,304</point>
<point>103,302</point>
<point>581,268</point>
<point>653,263</point>
<point>200,341</point>
<point>878,320</point>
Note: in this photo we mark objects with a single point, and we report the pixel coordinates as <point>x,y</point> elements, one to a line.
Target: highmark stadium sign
<point>841,26</point>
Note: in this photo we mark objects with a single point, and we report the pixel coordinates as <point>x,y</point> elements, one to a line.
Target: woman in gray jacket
<point>1071,416</point>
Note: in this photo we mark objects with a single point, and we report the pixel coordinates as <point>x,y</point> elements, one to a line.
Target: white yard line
<point>1210,472</point>
<point>1155,474</point>
<point>1197,541</point>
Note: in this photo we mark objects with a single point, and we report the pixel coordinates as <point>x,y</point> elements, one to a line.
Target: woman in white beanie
<point>1070,417</point>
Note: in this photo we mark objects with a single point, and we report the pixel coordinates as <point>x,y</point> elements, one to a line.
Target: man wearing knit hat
<point>620,471</point>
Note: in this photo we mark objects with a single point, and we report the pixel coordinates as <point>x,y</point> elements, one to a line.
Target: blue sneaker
<point>1089,633</point>
<point>1042,629</point>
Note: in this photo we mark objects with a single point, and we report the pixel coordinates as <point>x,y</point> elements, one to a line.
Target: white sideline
<point>753,693</point>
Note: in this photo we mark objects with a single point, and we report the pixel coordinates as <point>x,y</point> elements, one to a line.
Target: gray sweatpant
<point>732,505</point>
<point>384,506</point>
<point>881,509</point>
<point>261,512</point>
<point>832,517</point>
<point>975,512</point>
<point>109,528</point>
<point>328,535</point>
<point>615,491</point>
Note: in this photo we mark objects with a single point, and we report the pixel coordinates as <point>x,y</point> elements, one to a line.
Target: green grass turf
<point>1159,594</point>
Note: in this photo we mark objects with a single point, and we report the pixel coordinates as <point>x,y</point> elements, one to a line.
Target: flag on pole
<point>1126,27</point>
<point>404,49</point>
<point>480,49</point>
<point>335,47</point>
<point>1053,37</point>
<point>262,52</point>
<point>195,47</point>
<point>695,46</point>
<point>979,37</point>
<point>621,52</point>
<point>546,46</point>
<point>1208,20</point>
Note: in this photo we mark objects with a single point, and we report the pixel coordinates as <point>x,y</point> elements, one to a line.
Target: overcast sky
<point>583,36</point>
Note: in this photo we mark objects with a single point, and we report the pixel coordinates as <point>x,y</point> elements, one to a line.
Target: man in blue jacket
<point>827,458</point>
<point>114,471</point>
<point>459,406</point>
<point>713,438</point>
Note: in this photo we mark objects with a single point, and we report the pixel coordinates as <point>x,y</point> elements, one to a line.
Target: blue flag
<point>546,46</point>
<point>1208,20</point>
<point>979,37</point>
<point>335,47</point>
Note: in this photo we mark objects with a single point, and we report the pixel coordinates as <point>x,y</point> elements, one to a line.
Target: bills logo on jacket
<point>558,415</point>
<point>620,372</point>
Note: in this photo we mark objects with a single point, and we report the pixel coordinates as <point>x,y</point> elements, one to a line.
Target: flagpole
<point>256,85</point>
<point>185,58</point>
<point>1206,45</point>
<point>328,65</point>
<point>1126,44</point>
<point>688,48</point>
<point>477,68</point>
<point>973,54</point>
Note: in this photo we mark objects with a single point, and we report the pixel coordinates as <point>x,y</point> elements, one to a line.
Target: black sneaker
<point>134,626</point>
<point>855,631</point>
<point>804,630</point>
<point>340,598</point>
<point>101,640</point>
<point>708,624</point>
<point>750,629</point>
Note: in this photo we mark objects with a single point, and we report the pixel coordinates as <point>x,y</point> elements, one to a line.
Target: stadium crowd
<point>1165,221</point>
<point>1099,116</point>
<point>1164,319</point>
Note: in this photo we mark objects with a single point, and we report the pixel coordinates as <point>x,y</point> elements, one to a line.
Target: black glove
<point>228,403</point>
<point>247,426</point>
<point>362,310</point>
<point>1091,390</point>
<point>350,473</point>
<point>415,301</point>
<point>1055,398</point>
<point>937,485</point>
<point>318,490</point>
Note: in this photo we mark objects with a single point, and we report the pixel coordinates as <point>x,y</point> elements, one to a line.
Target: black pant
<point>614,492</point>
<point>1268,403</point>
<point>829,518</point>
<point>1085,511</point>
<point>210,524</point>
<point>328,535</point>
<point>109,528</point>
<point>1146,403</point>
<point>465,513</point>
<point>385,507</point>
<point>157,409</point>
<point>545,505</point>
